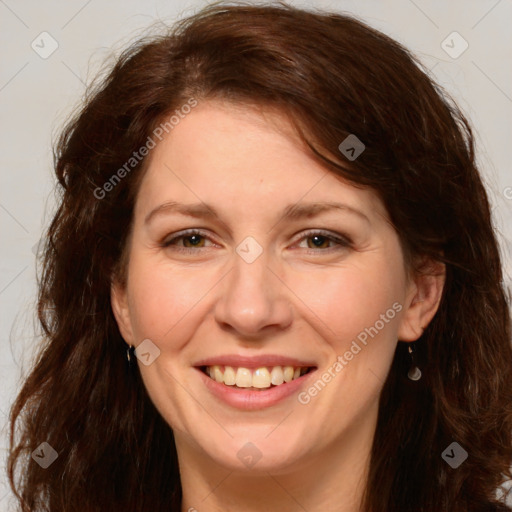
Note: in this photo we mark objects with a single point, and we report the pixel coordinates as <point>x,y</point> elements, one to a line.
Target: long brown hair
<point>332,75</point>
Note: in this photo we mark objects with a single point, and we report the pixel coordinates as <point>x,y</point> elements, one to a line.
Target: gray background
<point>37,94</point>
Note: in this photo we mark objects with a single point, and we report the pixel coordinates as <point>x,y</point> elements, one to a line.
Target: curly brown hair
<point>332,75</point>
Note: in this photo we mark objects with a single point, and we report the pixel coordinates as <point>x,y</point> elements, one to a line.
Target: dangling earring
<point>130,356</point>
<point>414,372</point>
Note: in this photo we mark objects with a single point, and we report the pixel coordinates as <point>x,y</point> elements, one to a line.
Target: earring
<point>130,356</point>
<point>414,372</point>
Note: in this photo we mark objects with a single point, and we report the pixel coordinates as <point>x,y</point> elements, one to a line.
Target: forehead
<point>234,156</point>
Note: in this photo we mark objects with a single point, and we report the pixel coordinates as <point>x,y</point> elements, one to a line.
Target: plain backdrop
<point>38,90</point>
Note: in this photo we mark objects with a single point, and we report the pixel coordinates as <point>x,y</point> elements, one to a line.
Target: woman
<point>272,283</point>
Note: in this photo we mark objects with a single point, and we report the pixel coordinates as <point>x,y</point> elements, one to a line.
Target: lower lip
<point>253,400</point>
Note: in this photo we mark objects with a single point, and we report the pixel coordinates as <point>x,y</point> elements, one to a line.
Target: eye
<point>191,238</point>
<point>321,238</point>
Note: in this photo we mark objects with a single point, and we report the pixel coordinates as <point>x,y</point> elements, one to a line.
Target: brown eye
<point>319,241</point>
<point>190,239</point>
<point>193,239</point>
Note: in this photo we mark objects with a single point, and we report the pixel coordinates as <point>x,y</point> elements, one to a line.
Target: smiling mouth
<point>256,379</point>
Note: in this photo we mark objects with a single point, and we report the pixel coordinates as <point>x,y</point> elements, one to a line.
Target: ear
<point>119,302</point>
<point>423,298</point>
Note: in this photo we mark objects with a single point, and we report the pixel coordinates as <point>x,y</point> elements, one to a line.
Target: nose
<point>253,302</point>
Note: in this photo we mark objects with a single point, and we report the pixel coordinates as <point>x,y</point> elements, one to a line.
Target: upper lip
<point>254,361</point>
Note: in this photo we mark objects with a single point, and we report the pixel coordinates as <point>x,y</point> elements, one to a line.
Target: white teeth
<point>243,378</point>
<point>288,374</point>
<point>217,374</point>
<point>229,376</point>
<point>260,378</point>
<point>276,376</point>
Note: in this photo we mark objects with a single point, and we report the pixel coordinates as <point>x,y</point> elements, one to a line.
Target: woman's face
<point>260,285</point>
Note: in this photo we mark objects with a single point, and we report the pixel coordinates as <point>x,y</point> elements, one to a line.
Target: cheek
<point>351,299</point>
<point>163,298</point>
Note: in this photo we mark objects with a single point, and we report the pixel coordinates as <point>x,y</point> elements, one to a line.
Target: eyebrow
<point>291,212</point>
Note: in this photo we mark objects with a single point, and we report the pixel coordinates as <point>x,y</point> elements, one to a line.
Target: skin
<point>297,299</point>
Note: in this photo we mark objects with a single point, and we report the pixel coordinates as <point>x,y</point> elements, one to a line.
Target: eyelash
<point>342,241</point>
